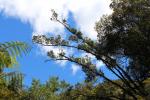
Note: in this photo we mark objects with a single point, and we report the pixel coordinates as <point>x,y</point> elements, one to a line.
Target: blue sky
<point>33,65</point>
<point>20,19</point>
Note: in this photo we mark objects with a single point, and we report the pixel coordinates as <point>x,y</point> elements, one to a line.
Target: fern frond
<point>9,52</point>
<point>16,48</point>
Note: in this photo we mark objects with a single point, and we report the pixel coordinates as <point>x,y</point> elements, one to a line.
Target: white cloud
<point>99,64</point>
<point>57,50</point>
<point>87,12</point>
<point>92,57</point>
<point>37,13</point>
<point>45,49</point>
<point>75,68</point>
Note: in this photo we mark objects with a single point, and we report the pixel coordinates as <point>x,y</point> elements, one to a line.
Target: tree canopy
<point>122,45</point>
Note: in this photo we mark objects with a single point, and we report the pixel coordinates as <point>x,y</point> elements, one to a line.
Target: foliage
<point>48,91</point>
<point>119,34</point>
<point>9,52</point>
<point>11,84</point>
<point>58,90</point>
<point>125,35</point>
<point>103,91</point>
<point>122,45</point>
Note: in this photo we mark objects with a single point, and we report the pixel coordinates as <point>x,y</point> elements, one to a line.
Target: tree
<point>11,83</point>
<point>125,35</point>
<point>51,90</point>
<point>11,86</point>
<point>90,91</point>
<point>129,27</point>
<point>119,34</point>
